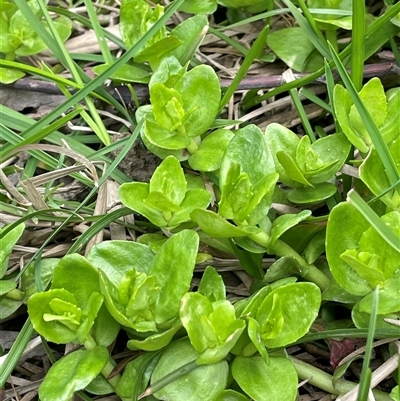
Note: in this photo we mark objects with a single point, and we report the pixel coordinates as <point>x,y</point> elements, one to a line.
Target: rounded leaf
<point>72,373</point>
<point>203,383</point>
<point>276,381</point>
<point>299,305</point>
<point>345,228</point>
<point>201,93</point>
<point>314,194</point>
<point>54,331</point>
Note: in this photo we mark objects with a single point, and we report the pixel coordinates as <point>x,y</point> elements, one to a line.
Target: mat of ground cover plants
<point>200,200</point>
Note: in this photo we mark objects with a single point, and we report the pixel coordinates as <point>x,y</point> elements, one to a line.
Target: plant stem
<point>192,147</point>
<point>311,272</point>
<point>90,343</point>
<point>324,381</point>
<point>16,294</point>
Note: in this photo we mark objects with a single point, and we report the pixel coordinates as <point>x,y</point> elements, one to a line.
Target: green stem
<point>310,272</point>
<point>16,295</point>
<point>192,147</point>
<point>90,343</point>
<point>324,381</point>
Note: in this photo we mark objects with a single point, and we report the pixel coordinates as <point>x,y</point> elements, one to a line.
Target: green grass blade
<point>309,27</point>
<point>315,99</point>
<point>368,213</point>
<point>376,137</point>
<point>253,53</point>
<point>20,122</point>
<point>358,45</point>
<point>45,131</point>
<point>302,114</point>
<point>365,379</point>
<point>15,352</point>
<point>105,51</point>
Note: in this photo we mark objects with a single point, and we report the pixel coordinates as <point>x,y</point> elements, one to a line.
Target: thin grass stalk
<point>253,53</point>
<point>366,373</point>
<point>105,51</point>
<point>358,43</point>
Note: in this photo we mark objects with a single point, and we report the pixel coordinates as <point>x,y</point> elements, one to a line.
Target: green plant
<point>18,39</point>
<point>241,192</point>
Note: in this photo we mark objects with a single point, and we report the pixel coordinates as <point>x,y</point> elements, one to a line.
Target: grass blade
<point>358,45</point>
<point>365,379</point>
<point>387,234</point>
<point>376,137</point>
<point>253,53</point>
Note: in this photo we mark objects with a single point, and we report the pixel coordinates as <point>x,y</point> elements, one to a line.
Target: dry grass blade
<point>63,151</point>
<point>10,187</point>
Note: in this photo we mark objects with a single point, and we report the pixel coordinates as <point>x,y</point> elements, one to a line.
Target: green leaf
<point>133,195</point>
<point>212,327</point>
<point>199,6</point>
<point>201,93</point>
<point>208,156</point>
<point>116,258</point>
<point>126,73</point>
<point>56,331</point>
<point>162,137</point>
<point>216,226</point>
<point>280,138</point>
<point>295,49</point>
<point>63,26</point>
<point>230,395</point>
<point>346,223</point>
<point>292,170</point>
<point>8,76</point>
<point>157,51</point>
<point>169,179</point>
<point>284,222</point>
<point>295,319</point>
<point>317,193</point>
<point>76,275</point>
<point>212,285</point>
<point>342,103</point>
<point>373,96</point>
<point>201,384</point>
<point>157,341</point>
<point>373,174</point>
<point>6,286</point>
<point>89,314</point>
<point>389,297</point>
<point>166,106</point>
<point>72,373</point>
<point>137,18</point>
<point>7,244</point>
<point>136,376</point>
<point>190,32</point>
<point>276,381</point>
<point>245,184</point>
<point>173,267</point>
<point>194,198</point>
<point>254,332</point>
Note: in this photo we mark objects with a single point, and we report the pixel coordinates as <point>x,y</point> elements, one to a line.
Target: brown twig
<point>256,82</point>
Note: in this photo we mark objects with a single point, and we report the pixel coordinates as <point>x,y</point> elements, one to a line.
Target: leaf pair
<point>169,198</point>
<point>306,166</point>
<point>183,107</point>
